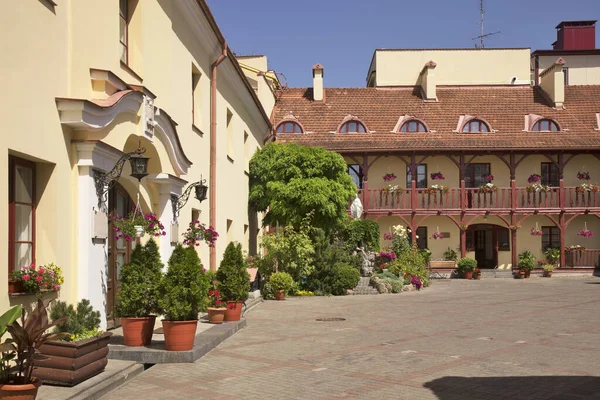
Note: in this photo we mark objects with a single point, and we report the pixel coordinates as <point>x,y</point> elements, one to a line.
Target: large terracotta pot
<point>138,331</point>
<point>69,363</point>
<point>216,315</point>
<point>234,311</point>
<point>179,335</point>
<point>527,273</point>
<point>280,295</point>
<point>20,392</point>
<point>15,287</point>
<point>467,274</point>
<point>520,274</point>
<point>477,274</point>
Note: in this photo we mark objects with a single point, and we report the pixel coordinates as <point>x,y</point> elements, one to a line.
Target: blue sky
<point>342,34</point>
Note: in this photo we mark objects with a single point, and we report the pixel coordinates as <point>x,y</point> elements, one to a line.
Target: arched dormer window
<point>352,126</point>
<point>413,125</point>
<point>545,125</point>
<point>475,126</point>
<point>289,127</point>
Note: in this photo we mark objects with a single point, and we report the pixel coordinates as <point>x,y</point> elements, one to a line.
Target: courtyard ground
<point>457,340</point>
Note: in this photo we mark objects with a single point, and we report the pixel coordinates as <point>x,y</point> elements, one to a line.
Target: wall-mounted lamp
<point>178,202</point>
<point>105,181</point>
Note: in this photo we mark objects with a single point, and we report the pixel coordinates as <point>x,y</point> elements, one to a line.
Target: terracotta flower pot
<point>20,392</point>
<point>477,274</point>
<point>137,331</point>
<point>520,274</point>
<point>179,335</point>
<point>527,273</point>
<point>467,274</point>
<point>15,286</point>
<point>280,295</point>
<point>216,315</point>
<point>547,274</point>
<point>234,311</point>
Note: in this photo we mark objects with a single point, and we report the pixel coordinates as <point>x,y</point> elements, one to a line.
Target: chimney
<point>318,91</point>
<point>575,35</point>
<point>428,81</point>
<point>552,81</point>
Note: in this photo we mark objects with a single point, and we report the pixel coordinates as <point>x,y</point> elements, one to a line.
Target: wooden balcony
<point>472,199</point>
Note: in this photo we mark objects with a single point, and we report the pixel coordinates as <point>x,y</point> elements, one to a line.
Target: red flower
<point>218,303</point>
<point>231,305</point>
<point>211,292</point>
<point>39,278</point>
<point>26,277</point>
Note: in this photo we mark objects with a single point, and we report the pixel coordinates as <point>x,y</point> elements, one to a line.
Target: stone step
<point>363,287</point>
<point>496,273</point>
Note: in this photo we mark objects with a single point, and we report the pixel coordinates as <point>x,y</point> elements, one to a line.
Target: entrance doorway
<point>119,251</point>
<point>486,240</point>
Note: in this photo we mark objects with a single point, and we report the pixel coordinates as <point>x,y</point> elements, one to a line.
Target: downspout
<point>212,187</point>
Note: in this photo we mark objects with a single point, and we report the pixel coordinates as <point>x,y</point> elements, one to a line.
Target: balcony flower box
<point>488,188</point>
<point>69,363</point>
<point>587,187</point>
<point>433,189</point>
<point>538,188</point>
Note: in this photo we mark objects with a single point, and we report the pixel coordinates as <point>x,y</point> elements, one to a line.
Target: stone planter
<point>69,363</point>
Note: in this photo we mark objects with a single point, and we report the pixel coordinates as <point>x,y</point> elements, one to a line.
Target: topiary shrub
<point>140,281</point>
<point>82,323</point>
<point>234,280</point>
<point>466,264</point>
<point>184,291</point>
<point>281,281</point>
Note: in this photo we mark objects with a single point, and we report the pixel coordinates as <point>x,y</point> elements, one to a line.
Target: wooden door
<point>485,245</point>
<point>119,251</point>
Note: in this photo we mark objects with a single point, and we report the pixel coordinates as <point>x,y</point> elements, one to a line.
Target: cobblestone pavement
<point>457,340</point>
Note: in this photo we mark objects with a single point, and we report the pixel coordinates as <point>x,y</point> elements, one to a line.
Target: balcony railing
<point>503,198</point>
<point>589,258</point>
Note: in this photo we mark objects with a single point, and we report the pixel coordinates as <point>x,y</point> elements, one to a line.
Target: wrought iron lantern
<point>201,190</point>
<point>139,166</point>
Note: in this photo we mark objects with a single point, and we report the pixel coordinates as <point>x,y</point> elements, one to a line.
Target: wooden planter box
<point>69,363</point>
<point>442,264</point>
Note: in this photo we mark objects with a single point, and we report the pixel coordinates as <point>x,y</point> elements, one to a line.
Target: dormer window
<point>475,126</point>
<point>352,126</point>
<point>289,127</point>
<point>545,125</point>
<point>413,125</point>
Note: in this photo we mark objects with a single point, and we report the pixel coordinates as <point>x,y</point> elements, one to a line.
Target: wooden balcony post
<point>561,227</point>
<point>463,195</point>
<point>413,195</point>
<point>561,194</point>
<point>513,242</point>
<point>513,194</point>
<point>365,195</point>
<point>463,243</point>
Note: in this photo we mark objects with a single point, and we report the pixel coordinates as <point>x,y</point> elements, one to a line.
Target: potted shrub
<point>138,297</point>
<point>526,263</point>
<point>281,282</point>
<point>78,356</point>
<point>183,295</point>
<point>16,363</point>
<point>548,268</point>
<point>234,281</point>
<point>466,266</point>
<point>477,274</point>
<point>216,306</point>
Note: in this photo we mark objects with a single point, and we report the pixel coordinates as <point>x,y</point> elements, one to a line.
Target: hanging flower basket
<point>583,176</point>
<point>389,177</point>
<point>136,225</point>
<point>534,178</point>
<point>437,188</point>
<point>488,188</point>
<point>388,236</point>
<point>536,231</point>
<point>198,232</point>
<point>587,187</point>
<point>538,188</point>
<point>437,176</point>
<point>437,235</point>
<point>488,178</point>
<point>585,232</point>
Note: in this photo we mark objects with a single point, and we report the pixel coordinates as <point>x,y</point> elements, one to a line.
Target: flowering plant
<point>587,187</point>
<point>40,279</point>
<point>536,231</point>
<point>392,189</point>
<point>586,233</point>
<point>488,188</point>
<point>388,236</point>
<point>437,188</point>
<point>401,231</point>
<point>437,176</point>
<point>416,282</point>
<point>389,177</point>
<point>437,235</point>
<point>386,257</point>
<point>214,297</point>
<point>583,176</point>
<point>197,231</point>
<point>488,178</point>
<point>126,228</point>
<point>538,187</point>
<point>575,248</point>
<point>533,178</point>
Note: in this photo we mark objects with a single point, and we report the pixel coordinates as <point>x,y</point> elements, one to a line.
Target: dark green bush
<point>140,281</point>
<point>184,291</point>
<point>466,264</point>
<point>82,319</point>
<point>526,261</point>
<point>361,233</point>
<point>334,279</point>
<point>234,280</point>
<point>281,281</point>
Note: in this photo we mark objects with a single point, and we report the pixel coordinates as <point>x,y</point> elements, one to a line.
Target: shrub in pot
<point>281,282</point>
<point>234,281</point>
<point>548,268</point>
<point>78,356</point>
<point>466,266</point>
<point>183,295</point>
<point>138,297</point>
<point>18,352</point>
<point>526,262</point>
<point>216,306</point>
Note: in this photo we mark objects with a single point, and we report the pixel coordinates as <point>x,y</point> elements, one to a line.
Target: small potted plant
<point>526,263</point>
<point>216,306</point>
<point>78,356</point>
<point>184,293</point>
<point>477,274</point>
<point>548,268</point>
<point>136,225</point>
<point>18,352</point>
<point>234,281</point>
<point>466,266</point>
<point>137,300</point>
<point>281,282</point>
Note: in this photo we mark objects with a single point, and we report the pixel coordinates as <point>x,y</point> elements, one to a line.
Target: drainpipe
<point>212,187</point>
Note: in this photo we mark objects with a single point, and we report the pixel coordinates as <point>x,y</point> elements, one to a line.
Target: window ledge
<point>22,294</point>
<point>131,71</point>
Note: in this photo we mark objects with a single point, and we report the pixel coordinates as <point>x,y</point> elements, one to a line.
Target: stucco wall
<point>583,69</point>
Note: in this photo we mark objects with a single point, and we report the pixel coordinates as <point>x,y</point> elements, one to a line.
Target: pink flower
<point>41,270</point>
<point>26,277</point>
<point>39,278</point>
<point>56,287</point>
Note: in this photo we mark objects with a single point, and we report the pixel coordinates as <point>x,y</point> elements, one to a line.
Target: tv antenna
<point>482,34</point>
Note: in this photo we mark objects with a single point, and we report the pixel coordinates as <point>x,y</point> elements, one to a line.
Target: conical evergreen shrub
<point>234,280</point>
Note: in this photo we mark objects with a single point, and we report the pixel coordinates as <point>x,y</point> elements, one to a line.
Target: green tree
<point>289,181</point>
<point>234,280</point>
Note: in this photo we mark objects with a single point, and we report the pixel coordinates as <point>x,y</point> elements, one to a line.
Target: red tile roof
<point>503,107</point>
